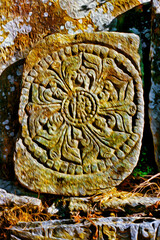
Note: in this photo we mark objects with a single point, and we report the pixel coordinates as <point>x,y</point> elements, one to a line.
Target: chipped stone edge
<point>58,41</point>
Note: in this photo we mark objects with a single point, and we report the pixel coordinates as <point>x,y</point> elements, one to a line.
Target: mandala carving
<point>80,110</point>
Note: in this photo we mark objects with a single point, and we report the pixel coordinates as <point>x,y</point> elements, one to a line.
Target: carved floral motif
<point>80,109</point>
<point>81,112</point>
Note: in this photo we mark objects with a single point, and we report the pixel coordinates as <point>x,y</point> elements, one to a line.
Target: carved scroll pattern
<point>81,109</point>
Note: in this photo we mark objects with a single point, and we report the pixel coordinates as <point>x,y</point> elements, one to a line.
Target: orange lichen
<point>121,6</point>
<point>33,14</point>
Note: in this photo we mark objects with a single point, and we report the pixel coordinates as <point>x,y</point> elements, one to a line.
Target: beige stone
<point>8,199</point>
<point>81,113</point>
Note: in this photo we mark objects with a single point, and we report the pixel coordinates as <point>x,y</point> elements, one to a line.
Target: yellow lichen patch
<point>24,23</point>
<point>109,232</point>
<point>121,6</point>
<point>21,42</point>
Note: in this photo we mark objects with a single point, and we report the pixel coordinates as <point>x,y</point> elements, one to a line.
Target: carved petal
<point>39,115</point>
<point>69,148</point>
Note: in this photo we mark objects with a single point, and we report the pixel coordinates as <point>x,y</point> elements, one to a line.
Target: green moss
<point>144,166</point>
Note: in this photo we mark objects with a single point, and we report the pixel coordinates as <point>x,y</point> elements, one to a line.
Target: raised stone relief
<point>81,113</point>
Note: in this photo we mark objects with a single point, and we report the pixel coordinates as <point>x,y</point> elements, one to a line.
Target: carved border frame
<point>36,177</point>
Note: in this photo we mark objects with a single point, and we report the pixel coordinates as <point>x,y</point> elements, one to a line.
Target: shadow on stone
<point>10,84</point>
<point>138,21</point>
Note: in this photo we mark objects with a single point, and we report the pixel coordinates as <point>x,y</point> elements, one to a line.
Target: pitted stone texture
<point>81,113</point>
<point>101,228</point>
<point>24,23</point>
<point>154,96</point>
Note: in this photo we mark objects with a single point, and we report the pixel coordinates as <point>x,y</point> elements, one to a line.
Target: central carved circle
<point>79,108</point>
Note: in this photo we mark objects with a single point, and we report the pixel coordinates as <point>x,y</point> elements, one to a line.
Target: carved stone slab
<point>129,228</point>
<point>81,113</point>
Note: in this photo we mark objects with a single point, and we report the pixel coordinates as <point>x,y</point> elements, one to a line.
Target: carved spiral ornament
<point>78,111</point>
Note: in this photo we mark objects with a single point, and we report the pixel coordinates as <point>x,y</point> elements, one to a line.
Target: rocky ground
<point>114,212</point>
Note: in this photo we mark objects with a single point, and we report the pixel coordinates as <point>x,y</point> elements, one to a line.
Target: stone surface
<point>8,199</point>
<point>116,201</point>
<point>111,228</point>
<point>154,97</point>
<point>23,23</point>
<point>81,113</point>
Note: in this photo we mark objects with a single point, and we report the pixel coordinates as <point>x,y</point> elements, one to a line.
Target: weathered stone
<point>81,113</point>
<point>116,201</point>
<point>154,97</point>
<point>77,204</point>
<point>101,228</point>
<point>138,21</point>
<point>22,24</point>
<point>7,199</point>
<point>129,203</point>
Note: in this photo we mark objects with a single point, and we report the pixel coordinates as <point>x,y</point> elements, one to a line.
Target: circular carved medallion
<point>79,108</point>
<point>80,112</point>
